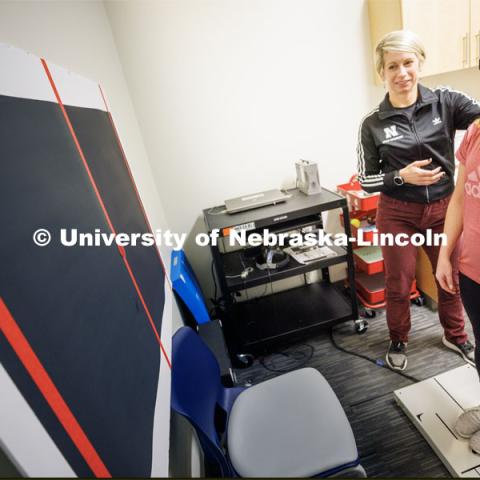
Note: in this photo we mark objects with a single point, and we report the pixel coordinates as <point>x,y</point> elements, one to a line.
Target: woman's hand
<point>444,274</point>
<point>416,175</point>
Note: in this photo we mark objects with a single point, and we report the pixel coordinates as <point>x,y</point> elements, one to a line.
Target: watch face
<point>398,180</point>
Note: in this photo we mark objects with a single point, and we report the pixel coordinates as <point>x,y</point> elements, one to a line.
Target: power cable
<point>302,358</point>
<point>377,362</point>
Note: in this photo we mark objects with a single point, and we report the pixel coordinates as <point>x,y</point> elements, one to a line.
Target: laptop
<point>255,200</point>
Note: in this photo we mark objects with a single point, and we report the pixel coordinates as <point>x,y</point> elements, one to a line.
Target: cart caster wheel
<point>244,360</point>
<point>361,326</point>
<point>369,313</point>
<point>419,301</point>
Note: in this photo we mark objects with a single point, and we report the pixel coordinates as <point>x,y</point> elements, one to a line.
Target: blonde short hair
<point>399,41</point>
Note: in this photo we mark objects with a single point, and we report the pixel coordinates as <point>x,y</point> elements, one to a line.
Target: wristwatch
<point>398,179</point>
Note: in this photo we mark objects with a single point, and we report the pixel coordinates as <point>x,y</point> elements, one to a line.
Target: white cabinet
<point>475,33</point>
<point>450,29</point>
<point>444,26</point>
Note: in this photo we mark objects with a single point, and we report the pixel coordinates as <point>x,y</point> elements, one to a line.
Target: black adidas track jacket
<point>388,141</point>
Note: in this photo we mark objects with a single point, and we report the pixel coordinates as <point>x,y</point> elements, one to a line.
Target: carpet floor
<point>388,443</point>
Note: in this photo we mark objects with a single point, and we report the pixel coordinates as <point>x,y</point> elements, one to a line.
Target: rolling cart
<point>260,324</point>
<point>369,277</point>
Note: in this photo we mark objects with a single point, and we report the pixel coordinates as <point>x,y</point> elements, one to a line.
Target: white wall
<point>77,35</point>
<point>230,93</point>
<point>467,81</point>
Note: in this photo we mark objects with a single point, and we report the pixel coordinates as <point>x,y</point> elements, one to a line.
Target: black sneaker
<point>466,350</point>
<point>397,356</point>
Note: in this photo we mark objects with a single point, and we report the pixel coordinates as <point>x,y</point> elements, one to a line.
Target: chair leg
<point>352,472</point>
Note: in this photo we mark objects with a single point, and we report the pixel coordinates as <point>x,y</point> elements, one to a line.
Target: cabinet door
<point>475,33</point>
<point>444,26</point>
<point>385,16</point>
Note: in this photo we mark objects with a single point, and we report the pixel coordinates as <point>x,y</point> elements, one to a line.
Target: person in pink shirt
<point>463,216</point>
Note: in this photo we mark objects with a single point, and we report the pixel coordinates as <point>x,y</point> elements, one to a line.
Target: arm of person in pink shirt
<point>452,229</point>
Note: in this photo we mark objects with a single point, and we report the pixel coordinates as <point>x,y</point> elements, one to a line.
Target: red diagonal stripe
<point>99,197</point>
<point>127,166</point>
<point>42,380</point>
<point>77,144</point>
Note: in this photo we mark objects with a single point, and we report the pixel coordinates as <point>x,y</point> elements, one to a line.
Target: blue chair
<point>290,426</point>
<point>185,285</point>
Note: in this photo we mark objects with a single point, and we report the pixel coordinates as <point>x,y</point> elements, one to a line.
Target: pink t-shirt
<point>469,156</point>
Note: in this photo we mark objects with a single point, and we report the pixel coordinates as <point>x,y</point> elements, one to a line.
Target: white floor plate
<point>434,405</point>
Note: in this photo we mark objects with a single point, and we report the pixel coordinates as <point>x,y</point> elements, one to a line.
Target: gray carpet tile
<point>388,443</point>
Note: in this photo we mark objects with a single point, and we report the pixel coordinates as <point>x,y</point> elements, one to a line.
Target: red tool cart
<point>369,276</point>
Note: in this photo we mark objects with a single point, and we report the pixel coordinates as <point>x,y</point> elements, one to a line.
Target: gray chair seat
<point>290,426</point>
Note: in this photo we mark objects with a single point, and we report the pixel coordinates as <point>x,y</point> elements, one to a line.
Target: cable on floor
<point>377,362</point>
<point>301,359</point>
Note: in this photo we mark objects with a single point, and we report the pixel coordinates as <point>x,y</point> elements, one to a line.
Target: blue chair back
<point>197,391</point>
<point>186,286</point>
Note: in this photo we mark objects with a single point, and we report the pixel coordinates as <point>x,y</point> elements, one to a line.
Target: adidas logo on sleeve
<point>472,185</point>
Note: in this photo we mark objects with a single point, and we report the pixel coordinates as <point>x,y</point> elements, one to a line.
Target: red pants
<point>396,216</point>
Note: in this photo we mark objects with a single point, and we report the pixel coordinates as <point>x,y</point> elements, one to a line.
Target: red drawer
<point>357,198</point>
<point>369,259</point>
<point>372,287</point>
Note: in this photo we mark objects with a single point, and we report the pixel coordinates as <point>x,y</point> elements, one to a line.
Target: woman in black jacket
<point>406,151</point>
